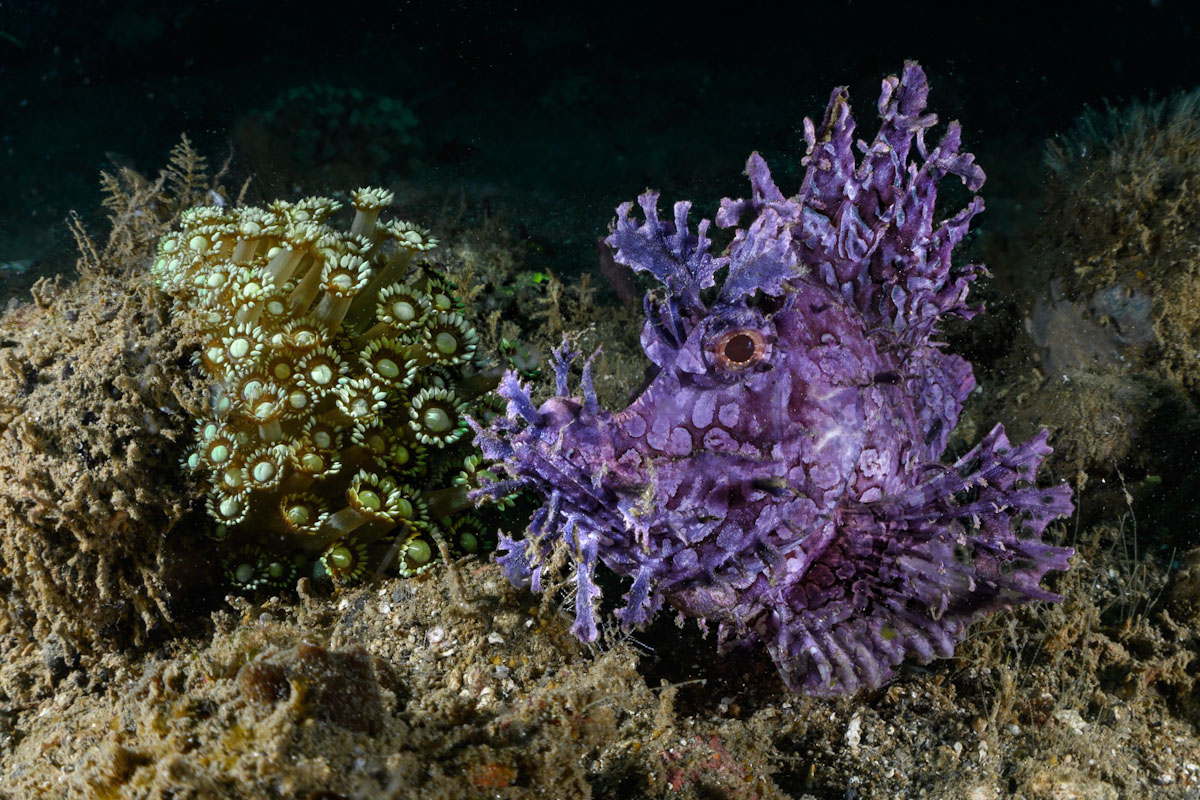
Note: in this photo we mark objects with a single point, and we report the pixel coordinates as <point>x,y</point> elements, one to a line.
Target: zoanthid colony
<point>334,442</point>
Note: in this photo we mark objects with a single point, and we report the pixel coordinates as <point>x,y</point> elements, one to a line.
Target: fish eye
<point>740,348</point>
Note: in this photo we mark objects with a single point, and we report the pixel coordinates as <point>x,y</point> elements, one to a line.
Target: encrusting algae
<point>94,386</point>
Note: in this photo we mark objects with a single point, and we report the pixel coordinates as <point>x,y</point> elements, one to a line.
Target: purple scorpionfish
<point>782,474</point>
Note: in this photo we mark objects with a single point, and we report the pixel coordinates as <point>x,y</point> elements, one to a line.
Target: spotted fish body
<point>781,476</point>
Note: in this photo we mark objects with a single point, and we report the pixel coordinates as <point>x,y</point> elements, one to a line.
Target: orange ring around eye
<point>740,348</point>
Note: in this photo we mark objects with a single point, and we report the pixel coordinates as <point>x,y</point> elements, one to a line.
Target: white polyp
<point>305,338</point>
<point>264,472</point>
<point>252,388</point>
<point>230,507</point>
<point>321,374</point>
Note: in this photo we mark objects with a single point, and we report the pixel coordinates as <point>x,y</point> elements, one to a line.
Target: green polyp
<point>369,500</point>
<point>264,471</point>
<point>404,509</point>
<point>243,574</point>
<point>468,542</point>
<point>387,368</point>
<point>418,551</point>
<point>445,343</point>
<point>232,477</point>
<point>299,515</point>
<point>219,454</point>
<point>403,311</point>
<point>437,420</point>
<point>340,558</point>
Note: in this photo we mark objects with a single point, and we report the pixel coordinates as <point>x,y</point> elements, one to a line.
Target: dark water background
<point>544,115</point>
